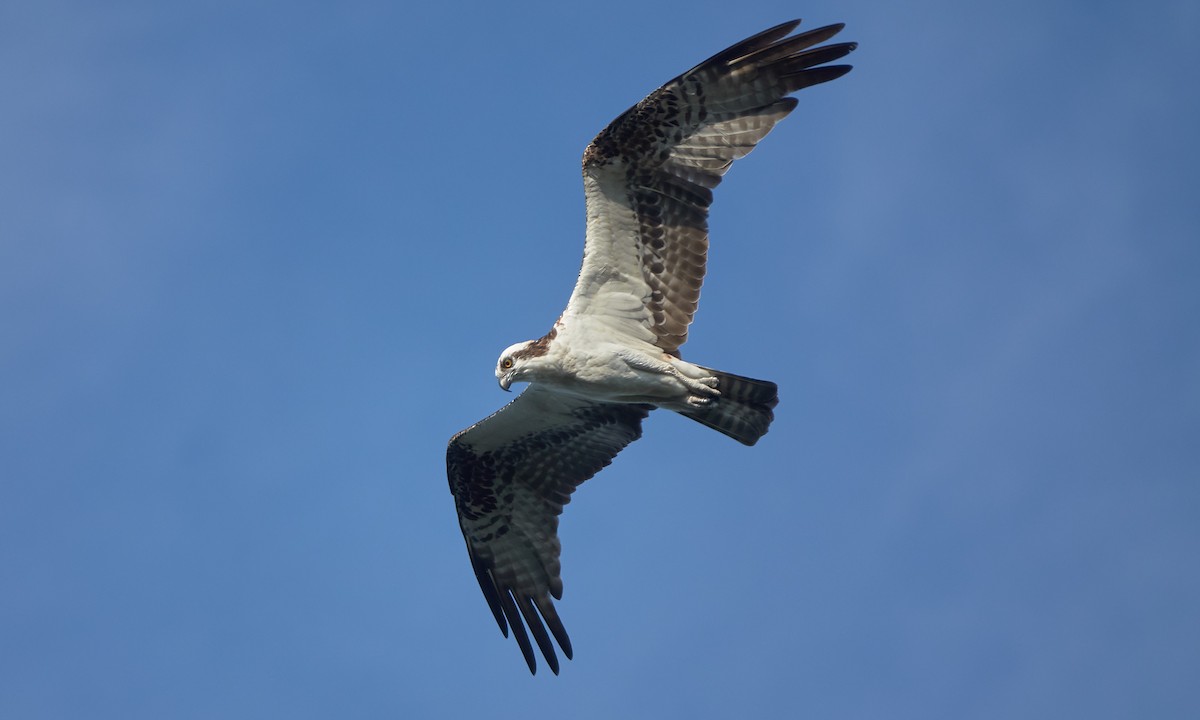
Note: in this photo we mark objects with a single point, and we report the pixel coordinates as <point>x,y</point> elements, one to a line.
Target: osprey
<point>613,354</point>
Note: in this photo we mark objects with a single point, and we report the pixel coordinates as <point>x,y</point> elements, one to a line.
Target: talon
<point>705,387</point>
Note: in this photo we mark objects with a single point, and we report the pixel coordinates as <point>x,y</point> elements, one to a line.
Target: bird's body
<point>613,355</point>
<point>608,367</point>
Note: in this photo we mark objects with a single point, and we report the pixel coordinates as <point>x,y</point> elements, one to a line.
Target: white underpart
<point>592,358</point>
<point>611,285</point>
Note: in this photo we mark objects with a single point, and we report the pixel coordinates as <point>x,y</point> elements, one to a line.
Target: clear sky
<point>257,261</point>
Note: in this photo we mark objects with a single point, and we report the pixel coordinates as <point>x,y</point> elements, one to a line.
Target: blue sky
<point>257,261</point>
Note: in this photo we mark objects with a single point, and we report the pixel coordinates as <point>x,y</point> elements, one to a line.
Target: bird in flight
<point>613,354</point>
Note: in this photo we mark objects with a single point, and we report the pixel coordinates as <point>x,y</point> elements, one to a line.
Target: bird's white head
<point>513,364</point>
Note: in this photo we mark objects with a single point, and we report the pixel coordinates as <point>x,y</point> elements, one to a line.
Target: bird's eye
<point>506,363</point>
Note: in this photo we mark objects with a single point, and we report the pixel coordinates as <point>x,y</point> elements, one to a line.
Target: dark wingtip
<point>818,35</point>
<point>753,43</point>
<point>538,630</point>
<point>514,621</point>
<point>835,71</point>
<point>527,651</point>
<point>781,29</point>
<point>551,660</point>
<point>816,76</point>
<point>554,622</point>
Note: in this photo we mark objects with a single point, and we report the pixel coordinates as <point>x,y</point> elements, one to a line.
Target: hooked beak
<point>505,381</point>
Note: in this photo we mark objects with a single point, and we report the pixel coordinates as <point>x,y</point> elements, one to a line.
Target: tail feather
<point>743,411</point>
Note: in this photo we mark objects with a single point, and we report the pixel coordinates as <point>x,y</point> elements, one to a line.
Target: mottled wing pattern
<point>649,176</point>
<point>511,474</point>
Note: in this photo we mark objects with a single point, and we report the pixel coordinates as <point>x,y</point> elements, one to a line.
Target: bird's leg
<point>695,378</point>
<point>701,385</point>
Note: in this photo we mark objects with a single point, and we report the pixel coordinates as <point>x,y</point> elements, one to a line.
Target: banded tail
<point>743,411</point>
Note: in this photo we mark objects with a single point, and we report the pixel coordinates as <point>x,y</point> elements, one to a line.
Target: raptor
<point>613,355</point>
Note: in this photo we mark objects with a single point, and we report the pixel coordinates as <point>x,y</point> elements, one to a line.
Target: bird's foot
<point>703,387</point>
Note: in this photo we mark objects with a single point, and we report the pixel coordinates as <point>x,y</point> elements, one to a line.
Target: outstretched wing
<point>649,176</point>
<point>511,474</point>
